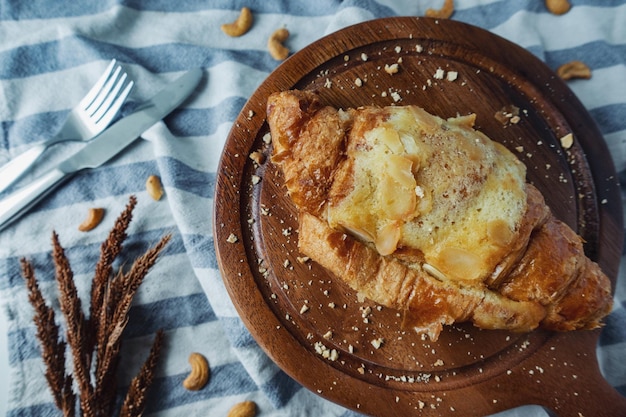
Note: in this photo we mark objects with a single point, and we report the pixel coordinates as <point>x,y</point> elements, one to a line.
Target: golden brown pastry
<point>430,217</point>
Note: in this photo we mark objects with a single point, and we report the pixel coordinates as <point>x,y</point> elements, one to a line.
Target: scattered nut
<point>239,26</point>
<point>275,44</point>
<point>558,6</point>
<point>574,69</point>
<point>200,372</point>
<point>243,409</point>
<point>154,187</point>
<point>94,217</point>
<point>444,13</point>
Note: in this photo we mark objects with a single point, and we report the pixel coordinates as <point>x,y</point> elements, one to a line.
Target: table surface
<point>4,364</point>
<point>46,47</point>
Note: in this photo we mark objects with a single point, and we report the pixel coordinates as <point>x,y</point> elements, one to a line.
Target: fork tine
<point>93,93</point>
<point>106,118</point>
<point>104,107</point>
<point>97,102</point>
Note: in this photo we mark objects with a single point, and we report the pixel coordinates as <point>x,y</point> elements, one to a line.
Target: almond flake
<point>567,141</point>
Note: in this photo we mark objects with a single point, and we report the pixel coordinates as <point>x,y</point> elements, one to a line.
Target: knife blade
<point>103,147</point>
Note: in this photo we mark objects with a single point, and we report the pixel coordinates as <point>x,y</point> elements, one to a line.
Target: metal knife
<point>103,147</point>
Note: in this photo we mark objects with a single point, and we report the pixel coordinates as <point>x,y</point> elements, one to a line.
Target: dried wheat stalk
<point>94,343</point>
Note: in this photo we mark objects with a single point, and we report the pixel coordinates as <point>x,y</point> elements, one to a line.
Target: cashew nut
<point>444,13</point>
<point>239,26</point>
<point>275,44</point>
<point>574,69</point>
<point>243,409</point>
<point>200,372</point>
<point>154,187</point>
<point>558,6</point>
<point>94,217</point>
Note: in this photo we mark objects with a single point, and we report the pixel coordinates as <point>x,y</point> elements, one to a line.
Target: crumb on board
<point>391,69</point>
<point>377,343</point>
<point>567,141</point>
<point>508,114</point>
<point>325,352</point>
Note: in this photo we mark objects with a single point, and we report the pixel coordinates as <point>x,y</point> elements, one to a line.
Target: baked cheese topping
<point>413,182</point>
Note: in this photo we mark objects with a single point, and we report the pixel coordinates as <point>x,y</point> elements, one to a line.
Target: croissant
<point>430,217</point>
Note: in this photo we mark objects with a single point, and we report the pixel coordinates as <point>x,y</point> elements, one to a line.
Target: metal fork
<point>90,117</point>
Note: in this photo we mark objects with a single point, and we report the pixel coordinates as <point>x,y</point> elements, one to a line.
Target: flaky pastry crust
<point>430,217</point>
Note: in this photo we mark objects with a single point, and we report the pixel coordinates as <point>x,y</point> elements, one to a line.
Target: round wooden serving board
<point>304,318</point>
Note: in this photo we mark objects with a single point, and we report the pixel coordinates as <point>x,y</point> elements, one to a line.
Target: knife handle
<point>14,169</point>
<point>14,205</point>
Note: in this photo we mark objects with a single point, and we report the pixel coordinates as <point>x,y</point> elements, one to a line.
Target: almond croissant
<point>430,217</point>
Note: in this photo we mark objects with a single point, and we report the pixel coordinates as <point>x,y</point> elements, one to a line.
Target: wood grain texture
<point>468,371</point>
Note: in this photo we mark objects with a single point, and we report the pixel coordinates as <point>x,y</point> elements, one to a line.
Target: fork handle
<point>15,168</point>
<point>17,203</point>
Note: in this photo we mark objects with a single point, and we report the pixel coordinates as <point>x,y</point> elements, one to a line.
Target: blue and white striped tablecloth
<point>50,54</point>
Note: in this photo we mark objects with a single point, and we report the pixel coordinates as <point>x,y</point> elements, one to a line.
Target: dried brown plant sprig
<point>94,342</point>
<point>136,398</point>
<point>53,346</point>
<point>109,251</point>
<point>124,286</point>
<point>76,326</point>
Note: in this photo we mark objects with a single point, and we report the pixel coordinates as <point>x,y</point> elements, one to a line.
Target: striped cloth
<point>50,54</point>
